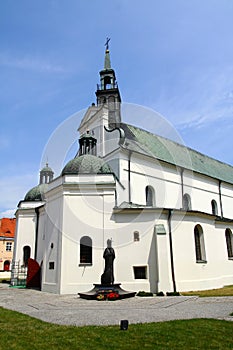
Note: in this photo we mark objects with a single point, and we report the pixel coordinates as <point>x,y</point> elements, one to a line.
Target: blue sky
<point>174,56</point>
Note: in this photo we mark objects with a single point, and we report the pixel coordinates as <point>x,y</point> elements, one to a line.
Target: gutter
<point>220,197</point>
<point>37,229</point>
<point>182,185</point>
<point>129,176</point>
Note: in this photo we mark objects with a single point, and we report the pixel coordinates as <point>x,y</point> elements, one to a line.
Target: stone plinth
<point>100,292</point>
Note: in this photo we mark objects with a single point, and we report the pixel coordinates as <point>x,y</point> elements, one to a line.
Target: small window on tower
<point>107,83</point>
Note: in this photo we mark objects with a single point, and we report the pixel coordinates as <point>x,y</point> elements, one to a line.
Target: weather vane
<point>106,44</point>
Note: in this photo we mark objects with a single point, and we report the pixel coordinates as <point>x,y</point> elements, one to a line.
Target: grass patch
<point>22,332</point>
<point>226,291</point>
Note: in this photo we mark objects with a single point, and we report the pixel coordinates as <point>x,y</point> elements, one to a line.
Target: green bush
<point>144,294</point>
<point>173,294</point>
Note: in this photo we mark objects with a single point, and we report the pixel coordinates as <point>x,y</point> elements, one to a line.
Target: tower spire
<point>107,62</point>
<point>107,91</point>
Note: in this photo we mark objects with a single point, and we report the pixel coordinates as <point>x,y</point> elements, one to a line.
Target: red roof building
<point>7,233</point>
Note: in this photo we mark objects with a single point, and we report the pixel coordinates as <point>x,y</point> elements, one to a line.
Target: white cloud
<point>13,189</point>
<point>209,101</point>
<point>10,213</point>
<point>30,63</point>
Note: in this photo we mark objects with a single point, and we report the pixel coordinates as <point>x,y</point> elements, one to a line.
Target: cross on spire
<point>106,44</point>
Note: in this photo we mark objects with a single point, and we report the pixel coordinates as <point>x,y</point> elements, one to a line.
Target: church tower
<point>108,93</point>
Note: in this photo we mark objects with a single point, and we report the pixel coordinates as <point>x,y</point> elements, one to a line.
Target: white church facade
<point>167,209</point>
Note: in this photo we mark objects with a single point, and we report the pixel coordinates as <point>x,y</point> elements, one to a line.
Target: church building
<point>167,209</point>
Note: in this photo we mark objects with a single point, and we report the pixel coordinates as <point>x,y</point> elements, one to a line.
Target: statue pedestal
<point>107,292</point>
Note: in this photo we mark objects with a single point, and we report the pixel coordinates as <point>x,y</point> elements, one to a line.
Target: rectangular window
<point>139,272</point>
<point>8,246</point>
<point>51,265</point>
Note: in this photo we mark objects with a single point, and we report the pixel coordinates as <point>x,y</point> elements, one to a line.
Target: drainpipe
<point>129,176</point>
<point>182,185</point>
<point>37,229</point>
<point>115,198</point>
<point>171,249</point>
<point>220,197</point>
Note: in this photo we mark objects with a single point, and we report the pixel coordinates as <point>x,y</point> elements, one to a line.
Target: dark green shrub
<point>173,294</point>
<point>144,294</point>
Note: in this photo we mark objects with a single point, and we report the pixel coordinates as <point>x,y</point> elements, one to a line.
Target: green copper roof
<point>146,143</point>
<point>47,169</point>
<point>36,193</point>
<point>86,164</point>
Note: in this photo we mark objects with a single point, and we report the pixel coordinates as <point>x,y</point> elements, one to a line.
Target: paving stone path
<point>71,310</point>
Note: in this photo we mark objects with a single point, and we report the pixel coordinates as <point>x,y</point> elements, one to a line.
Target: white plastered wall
<point>52,237</point>
<point>25,233</point>
<point>189,274</point>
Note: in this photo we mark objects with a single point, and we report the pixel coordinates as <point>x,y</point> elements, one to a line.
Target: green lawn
<point>19,331</point>
<point>221,292</point>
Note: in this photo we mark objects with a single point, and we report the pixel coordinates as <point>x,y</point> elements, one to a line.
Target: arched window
<point>199,244</point>
<point>214,207</point>
<point>85,250</point>
<point>6,265</point>
<point>107,82</point>
<point>229,242</point>
<point>187,202</point>
<point>102,100</point>
<point>150,196</point>
<point>26,254</point>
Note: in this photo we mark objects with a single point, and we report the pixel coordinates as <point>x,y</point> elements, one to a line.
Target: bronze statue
<point>109,255</point>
